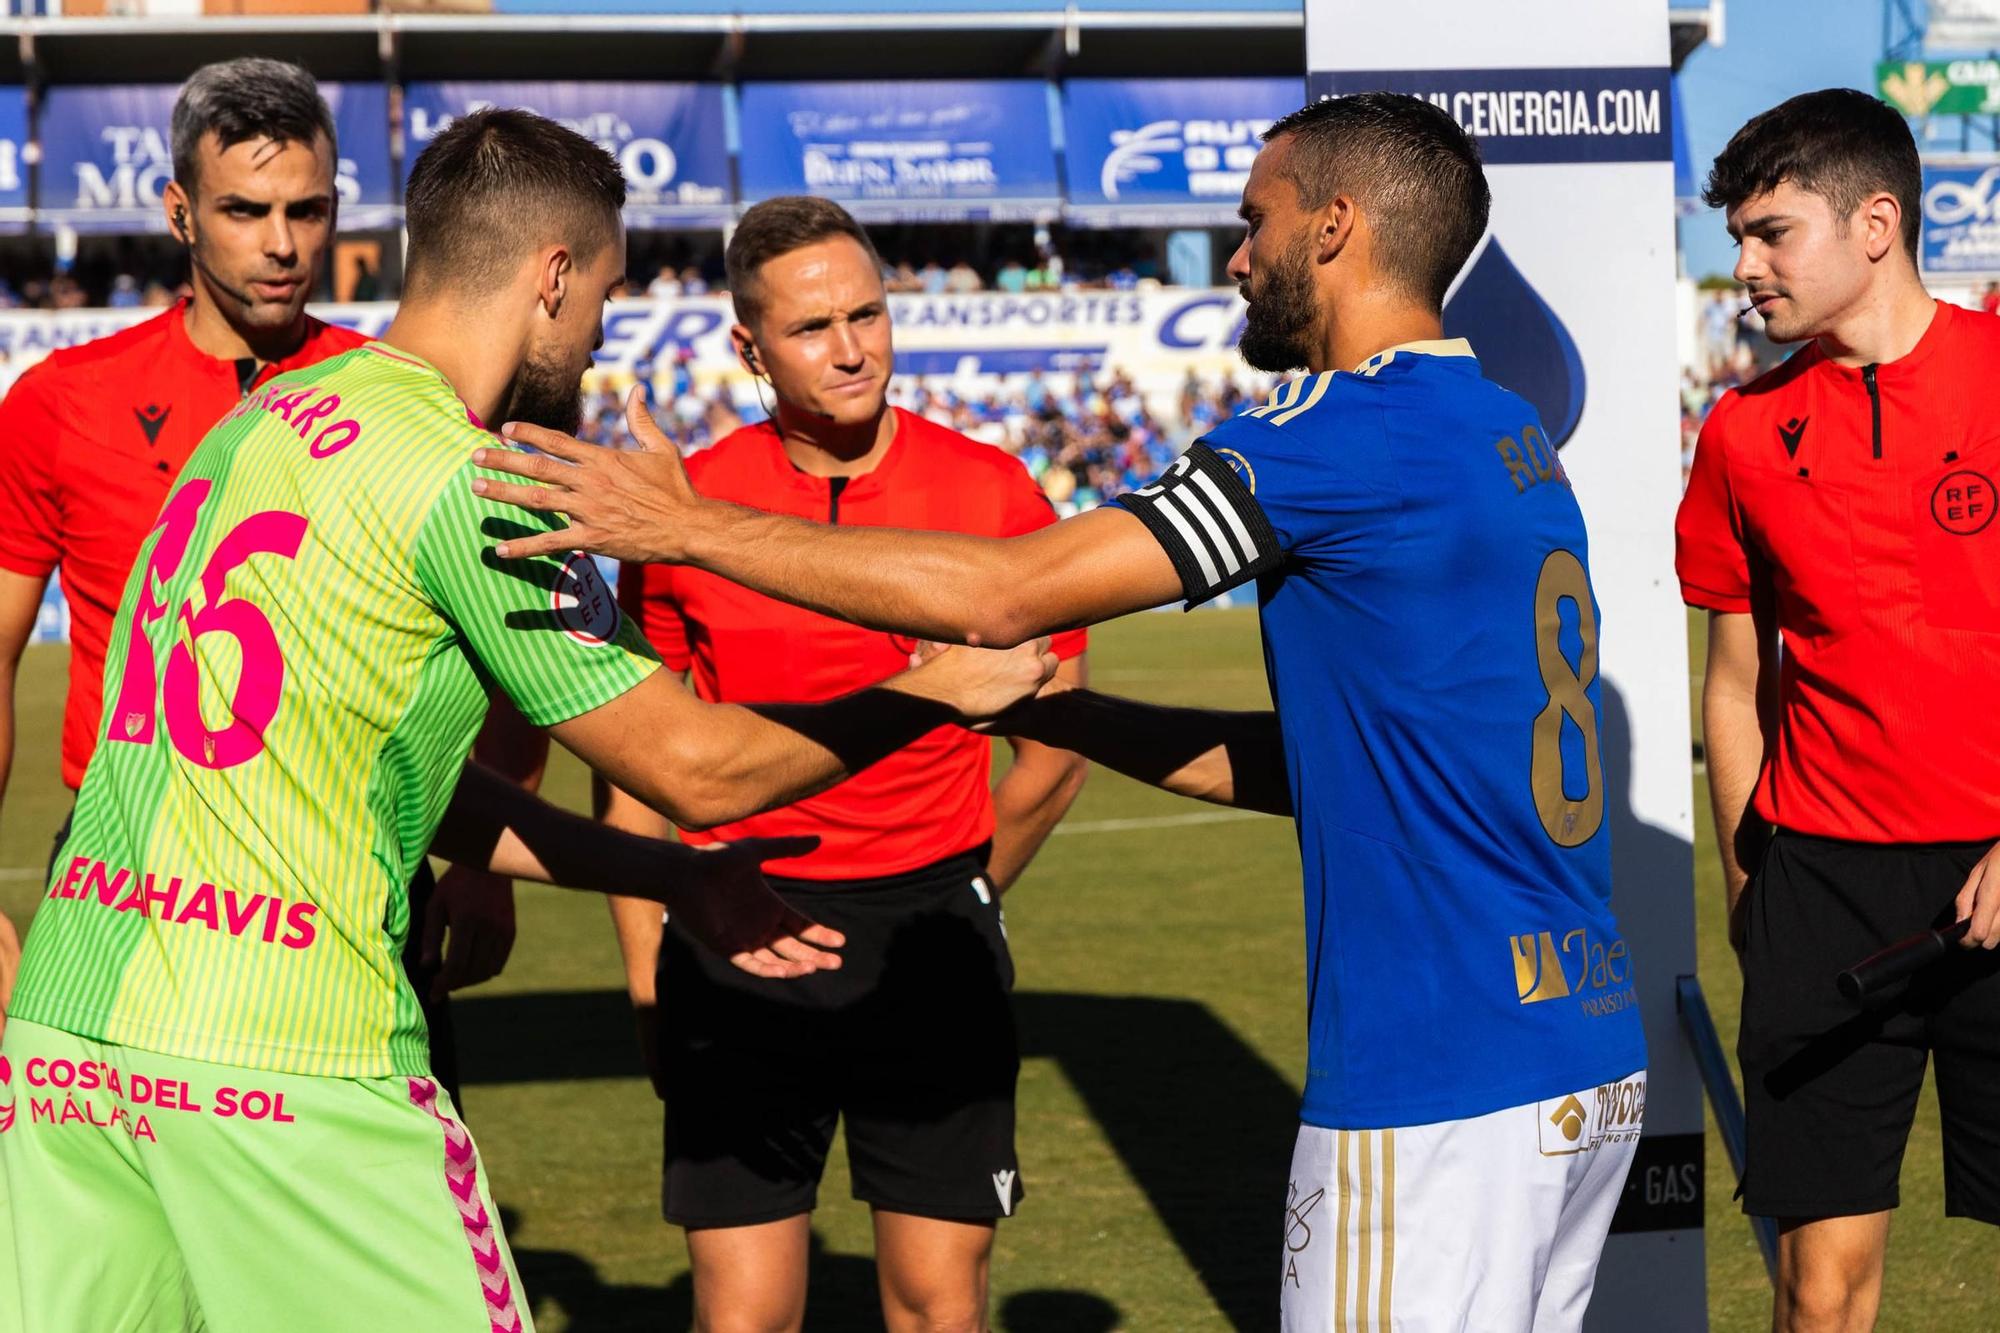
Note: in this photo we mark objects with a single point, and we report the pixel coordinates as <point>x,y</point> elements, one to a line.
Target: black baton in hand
<point>1877,972</point>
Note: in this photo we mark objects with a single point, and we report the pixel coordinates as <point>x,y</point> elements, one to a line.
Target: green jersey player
<point>214,1066</point>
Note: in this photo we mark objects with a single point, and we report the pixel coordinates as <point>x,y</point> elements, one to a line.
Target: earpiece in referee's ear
<point>181,225</point>
<point>749,351</point>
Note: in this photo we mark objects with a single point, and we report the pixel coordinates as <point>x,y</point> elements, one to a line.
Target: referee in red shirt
<point>1838,528</point>
<point>912,1040</point>
<point>92,438</point>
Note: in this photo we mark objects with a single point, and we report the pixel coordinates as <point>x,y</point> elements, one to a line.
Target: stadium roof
<point>716,39</point>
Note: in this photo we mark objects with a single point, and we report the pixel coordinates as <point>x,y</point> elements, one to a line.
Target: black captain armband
<point>1210,523</point>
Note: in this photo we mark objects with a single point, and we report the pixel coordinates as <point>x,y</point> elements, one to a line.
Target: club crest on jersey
<point>582,601</point>
<point>6,1095</point>
<point>1240,466</point>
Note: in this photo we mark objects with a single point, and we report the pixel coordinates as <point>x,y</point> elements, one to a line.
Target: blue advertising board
<point>967,150</point>
<point>670,138</point>
<point>107,155</point>
<point>1165,152</point>
<point>13,171</point>
<point>1961,229</point>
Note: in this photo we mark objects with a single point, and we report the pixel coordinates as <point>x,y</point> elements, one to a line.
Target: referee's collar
<point>1426,347</point>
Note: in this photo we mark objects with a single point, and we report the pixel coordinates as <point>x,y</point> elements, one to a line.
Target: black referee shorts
<point>912,1040</point>
<point>1830,1087</point>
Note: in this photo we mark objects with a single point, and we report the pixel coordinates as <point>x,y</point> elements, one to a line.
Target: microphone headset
<point>748,351</point>
<point>181,224</point>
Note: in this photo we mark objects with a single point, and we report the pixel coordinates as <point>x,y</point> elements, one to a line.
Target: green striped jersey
<point>298,668</point>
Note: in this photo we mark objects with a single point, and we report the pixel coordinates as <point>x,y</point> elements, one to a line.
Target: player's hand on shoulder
<point>979,683</point>
<point>630,504</point>
<point>721,899</point>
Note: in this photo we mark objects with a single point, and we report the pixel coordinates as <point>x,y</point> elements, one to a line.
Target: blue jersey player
<point>1477,1073</point>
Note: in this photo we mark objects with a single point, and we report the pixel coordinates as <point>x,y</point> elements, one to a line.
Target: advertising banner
<point>1961,228</point>
<point>1940,87</point>
<point>1958,25</point>
<point>670,138</point>
<point>967,150</point>
<point>1569,101</point>
<point>107,154</point>
<point>1165,152</point>
<point>13,170</point>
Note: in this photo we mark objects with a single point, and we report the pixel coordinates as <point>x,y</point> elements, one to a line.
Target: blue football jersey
<point>1432,644</point>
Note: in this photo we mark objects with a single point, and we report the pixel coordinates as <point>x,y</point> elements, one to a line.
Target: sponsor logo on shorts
<point>1596,972</point>
<point>103,1096</point>
<point>583,603</point>
<point>1003,1185</point>
<point>1583,1122</point>
<point>1298,1227</point>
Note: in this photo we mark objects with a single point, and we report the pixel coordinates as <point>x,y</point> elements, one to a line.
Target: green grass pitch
<point>1160,986</point>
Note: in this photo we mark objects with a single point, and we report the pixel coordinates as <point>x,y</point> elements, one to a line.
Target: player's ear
<point>178,206</point>
<point>1336,224</point>
<point>1882,222</point>
<point>745,344</point>
<point>553,275</point>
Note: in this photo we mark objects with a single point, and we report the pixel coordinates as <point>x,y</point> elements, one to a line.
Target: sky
<point>1771,50</point>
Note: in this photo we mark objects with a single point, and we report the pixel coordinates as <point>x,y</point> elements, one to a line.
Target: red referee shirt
<point>91,440</point>
<point>1856,506</point>
<point>927,801</point>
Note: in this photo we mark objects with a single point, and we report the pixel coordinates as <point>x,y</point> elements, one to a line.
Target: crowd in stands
<point>1086,437</point>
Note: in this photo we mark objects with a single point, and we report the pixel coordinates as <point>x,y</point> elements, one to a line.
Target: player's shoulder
<point>941,450</point>
<point>1301,414</point>
<point>1973,335</point>
<point>136,343</point>
<point>743,455</point>
<point>324,340</point>
<point>1772,396</point>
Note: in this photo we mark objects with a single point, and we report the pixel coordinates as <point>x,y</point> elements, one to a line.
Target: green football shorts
<point>146,1193</point>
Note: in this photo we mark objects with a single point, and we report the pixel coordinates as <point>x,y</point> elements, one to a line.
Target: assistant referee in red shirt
<point>1838,528</point>
<point>912,1040</point>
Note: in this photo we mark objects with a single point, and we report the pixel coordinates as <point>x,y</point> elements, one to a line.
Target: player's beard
<point>546,393</point>
<point>1278,327</point>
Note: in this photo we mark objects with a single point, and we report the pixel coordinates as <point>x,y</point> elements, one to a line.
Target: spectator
<point>1011,277</point>
<point>963,278</point>
<point>666,284</point>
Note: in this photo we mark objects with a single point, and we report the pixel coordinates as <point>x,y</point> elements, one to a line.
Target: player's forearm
<point>739,760</point>
<point>943,586</point>
<point>1027,805</point>
<point>639,923</point>
<point>1235,759</point>
<point>1733,749</point>
<point>636,921</point>
<point>494,825</point>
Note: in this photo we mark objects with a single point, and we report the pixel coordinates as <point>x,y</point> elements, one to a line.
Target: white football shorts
<point>1492,1224</point>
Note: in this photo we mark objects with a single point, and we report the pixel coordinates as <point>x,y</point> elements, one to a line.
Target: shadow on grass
<point>1199,1119</point>
<point>843,1297</point>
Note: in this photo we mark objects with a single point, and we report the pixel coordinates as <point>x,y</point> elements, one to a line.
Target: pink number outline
<point>261,678</point>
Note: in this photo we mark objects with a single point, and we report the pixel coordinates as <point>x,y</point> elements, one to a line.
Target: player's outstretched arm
<point>719,895</point>
<point>703,764</point>
<point>638,505</point>
<point>1235,759</point>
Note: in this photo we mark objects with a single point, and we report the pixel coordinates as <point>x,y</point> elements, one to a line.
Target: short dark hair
<point>497,183</point>
<point>1837,143</point>
<point>777,227</point>
<point>1417,175</point>
<point>240,100</point>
